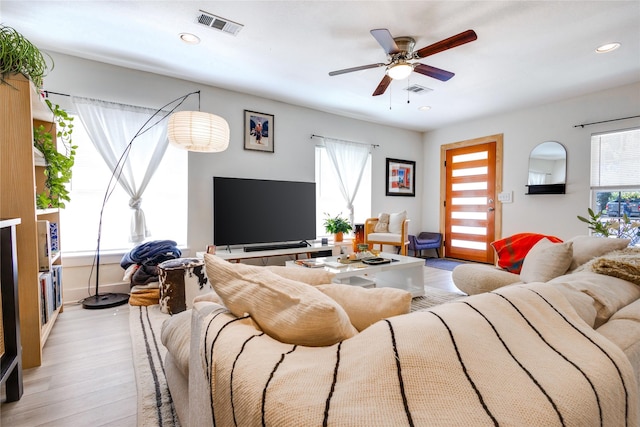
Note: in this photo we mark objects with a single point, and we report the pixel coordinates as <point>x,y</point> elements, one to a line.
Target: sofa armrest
<point>479,278</point>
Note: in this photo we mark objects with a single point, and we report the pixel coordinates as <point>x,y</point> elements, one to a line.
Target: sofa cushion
<point>585,248</point>
<point>546,260</point>
<point>475,279</point>
<point>395,222</point>
<point>176,336</point>
<point>512,250</point>
<point>289,311</point>
<point>310,276</point>
<point>382,226</point>
<point>609,294</point>
<point>365,306</point>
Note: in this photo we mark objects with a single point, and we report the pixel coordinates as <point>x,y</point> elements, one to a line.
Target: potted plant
<point>337,226</point>
<point>623,228</point>
<point>58,165</point>
<point>19,56</point>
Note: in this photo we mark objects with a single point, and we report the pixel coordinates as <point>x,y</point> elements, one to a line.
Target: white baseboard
<point>74,296</point>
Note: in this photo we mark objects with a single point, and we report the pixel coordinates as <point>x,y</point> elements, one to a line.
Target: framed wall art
<point>401,178</point>
<point>258,131</point>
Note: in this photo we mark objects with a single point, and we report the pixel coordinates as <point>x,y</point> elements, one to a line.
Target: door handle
<point>491,209</point>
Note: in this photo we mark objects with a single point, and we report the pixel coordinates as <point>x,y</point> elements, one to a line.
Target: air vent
<point>421,90</point>
<point>218,23</point>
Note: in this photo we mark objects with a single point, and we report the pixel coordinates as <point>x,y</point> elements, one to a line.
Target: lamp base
<point>105,301</point>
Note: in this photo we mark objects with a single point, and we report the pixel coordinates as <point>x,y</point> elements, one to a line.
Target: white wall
<point>523,130</point>
<point>294,149</point>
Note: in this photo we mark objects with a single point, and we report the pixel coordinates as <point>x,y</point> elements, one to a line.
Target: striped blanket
<point>516,356</point>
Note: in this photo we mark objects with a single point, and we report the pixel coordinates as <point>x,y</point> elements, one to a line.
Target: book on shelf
<point>53,235</point>
<point>44,245</point>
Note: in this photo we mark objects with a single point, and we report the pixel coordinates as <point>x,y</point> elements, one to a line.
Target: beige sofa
<point>565,352</point>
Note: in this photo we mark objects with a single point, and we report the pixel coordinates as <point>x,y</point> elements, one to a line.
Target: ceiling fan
<point>401,57</point>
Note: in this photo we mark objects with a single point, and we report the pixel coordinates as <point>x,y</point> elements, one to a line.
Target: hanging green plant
<point>58,164</point>
<point>19,56</point>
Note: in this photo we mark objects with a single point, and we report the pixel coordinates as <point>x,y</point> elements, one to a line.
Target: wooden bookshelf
<point>20,109</point>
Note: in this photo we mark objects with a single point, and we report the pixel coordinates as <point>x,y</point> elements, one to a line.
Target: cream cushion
<point>585,248</point>
<point>546,260</point>
<point>609,293</point>
<point>382,226</point>
<point>395,222</point>
<point>366,306</point>
<point>176,337</point>
<point>310,276</point>
<point>287,310</point>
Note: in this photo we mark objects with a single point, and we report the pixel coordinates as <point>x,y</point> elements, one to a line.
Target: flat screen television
<point>253,211</point>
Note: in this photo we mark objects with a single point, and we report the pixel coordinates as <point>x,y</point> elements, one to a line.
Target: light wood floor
<point>87,376</point>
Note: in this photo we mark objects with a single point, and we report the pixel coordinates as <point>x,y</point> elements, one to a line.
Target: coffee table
<point>403,272</point>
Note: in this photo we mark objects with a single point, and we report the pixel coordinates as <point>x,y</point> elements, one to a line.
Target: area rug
<point>155,406</point>
<point>442,263</point>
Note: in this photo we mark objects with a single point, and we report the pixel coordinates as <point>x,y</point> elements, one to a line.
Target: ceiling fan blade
<point>451,42</point>
<point>382,87</point>
<point>434,72</point>
<point>350,70</point>
<point>383,36</point>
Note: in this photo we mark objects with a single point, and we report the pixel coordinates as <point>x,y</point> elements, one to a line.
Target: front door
<point>471,183</point>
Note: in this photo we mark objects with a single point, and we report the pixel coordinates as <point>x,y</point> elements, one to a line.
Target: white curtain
<point>112,128</point>
<point>537,178</point>
<point>349,160</point>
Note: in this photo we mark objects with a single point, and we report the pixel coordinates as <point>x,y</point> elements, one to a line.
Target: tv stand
<point>276,246</point>
<point>239,254</point>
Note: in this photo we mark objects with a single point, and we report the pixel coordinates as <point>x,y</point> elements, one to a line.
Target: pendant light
<point>198,131</point>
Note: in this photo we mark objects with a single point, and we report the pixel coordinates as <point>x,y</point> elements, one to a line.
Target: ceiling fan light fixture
<point>198,131</point>
<point>609,47</point>
<point>399,71</point>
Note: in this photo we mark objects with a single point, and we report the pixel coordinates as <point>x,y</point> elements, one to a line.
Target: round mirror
<point>547,168</point>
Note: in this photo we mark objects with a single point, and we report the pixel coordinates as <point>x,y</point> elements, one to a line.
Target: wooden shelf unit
<point>21,108</point>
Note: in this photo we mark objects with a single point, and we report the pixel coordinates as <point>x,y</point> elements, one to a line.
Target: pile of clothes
<point>141,269</point>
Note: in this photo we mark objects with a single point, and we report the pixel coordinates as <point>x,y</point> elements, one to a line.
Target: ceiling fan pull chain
<point>408,91</point>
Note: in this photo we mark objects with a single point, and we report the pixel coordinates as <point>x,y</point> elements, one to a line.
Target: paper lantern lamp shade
<point>198,131</point>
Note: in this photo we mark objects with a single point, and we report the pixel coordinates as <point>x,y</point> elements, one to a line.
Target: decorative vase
<point>338,237</point>
<point>358,236</point>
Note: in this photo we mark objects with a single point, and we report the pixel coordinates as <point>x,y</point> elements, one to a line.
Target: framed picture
<point>258,131</point>
<point>401,178</point>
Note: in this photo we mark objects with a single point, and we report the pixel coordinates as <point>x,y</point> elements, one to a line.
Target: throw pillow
<point>585,248</point>
<point>546,260</point>
<point>512,250</point>
<point>382,226</point>
<point>287,310</point>
<point>310,276</point>
<point>365,306</point>
<point>395,222</point>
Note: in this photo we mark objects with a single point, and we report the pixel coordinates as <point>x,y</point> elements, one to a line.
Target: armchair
<point>425,240</point>
<point>394,231</point>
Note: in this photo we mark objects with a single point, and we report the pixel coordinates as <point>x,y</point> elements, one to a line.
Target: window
<point>615,175</point>
<point>164,201</point>
<point>329,198</point>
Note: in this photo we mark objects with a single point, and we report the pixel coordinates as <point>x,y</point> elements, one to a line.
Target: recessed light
<point>424,108</point>
<point>608,47</point>
<point>189,38</point>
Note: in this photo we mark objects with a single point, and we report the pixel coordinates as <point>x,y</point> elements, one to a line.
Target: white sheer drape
<point>349,160</point>
<point>111,128</point>
<point>537,178</point>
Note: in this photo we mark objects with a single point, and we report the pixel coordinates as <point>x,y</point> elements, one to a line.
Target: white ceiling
<point>527,52</point>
